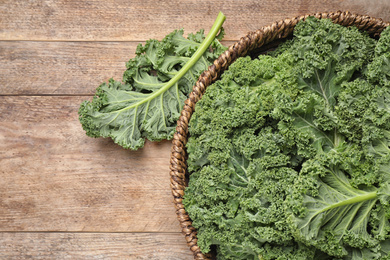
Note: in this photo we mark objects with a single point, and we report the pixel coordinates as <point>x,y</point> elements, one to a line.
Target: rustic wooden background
<point>64,195</point>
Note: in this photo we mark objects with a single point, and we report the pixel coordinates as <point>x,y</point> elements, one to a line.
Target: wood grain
<point>28,67</point>
<point>112,20</point>
<point>167,246</point>
<point>55,178</point>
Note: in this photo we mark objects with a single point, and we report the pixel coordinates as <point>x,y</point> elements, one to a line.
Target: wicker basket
<point>249,44</point>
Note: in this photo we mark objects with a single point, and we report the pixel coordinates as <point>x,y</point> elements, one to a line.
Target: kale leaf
<point>155,85</point>
<point>289,153</point>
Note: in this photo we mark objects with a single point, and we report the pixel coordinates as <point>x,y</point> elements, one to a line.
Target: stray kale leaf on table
<point>155,85</point>
<point>289,153</point>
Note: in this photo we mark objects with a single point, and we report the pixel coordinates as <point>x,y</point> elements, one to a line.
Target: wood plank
<point>55,178</point>
<point>61,67</point>
<point>94,246</point>
<point>111,20</point>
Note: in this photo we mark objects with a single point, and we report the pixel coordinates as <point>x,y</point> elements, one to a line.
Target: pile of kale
<point>289,153</point>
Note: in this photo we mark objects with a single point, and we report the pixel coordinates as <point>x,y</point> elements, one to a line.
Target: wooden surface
<point>64,195</point>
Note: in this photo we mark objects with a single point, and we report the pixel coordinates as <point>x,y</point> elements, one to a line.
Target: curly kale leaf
<point>130,116</point>
<point>324,56</point>
<point>328,55</point>
<point>336,215</point>
<point>378,71</point>
<point>289,154</point>
<point>231,204</point>
<point>157,81</point>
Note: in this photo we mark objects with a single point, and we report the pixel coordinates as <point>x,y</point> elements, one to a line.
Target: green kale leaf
<point>289,153</point>
<point>379,70</point>
<point>155,85</point>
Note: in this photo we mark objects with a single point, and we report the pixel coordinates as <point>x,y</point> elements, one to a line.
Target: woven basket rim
<point>252,40</point>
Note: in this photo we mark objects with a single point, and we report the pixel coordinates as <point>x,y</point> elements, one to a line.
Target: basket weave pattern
<point>248,43</point>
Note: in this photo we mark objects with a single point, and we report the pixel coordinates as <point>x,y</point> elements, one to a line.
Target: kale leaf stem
<point>197,55</point>
<point>353,200</point>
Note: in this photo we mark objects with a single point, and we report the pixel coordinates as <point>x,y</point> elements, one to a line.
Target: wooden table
<point>64,195</point>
